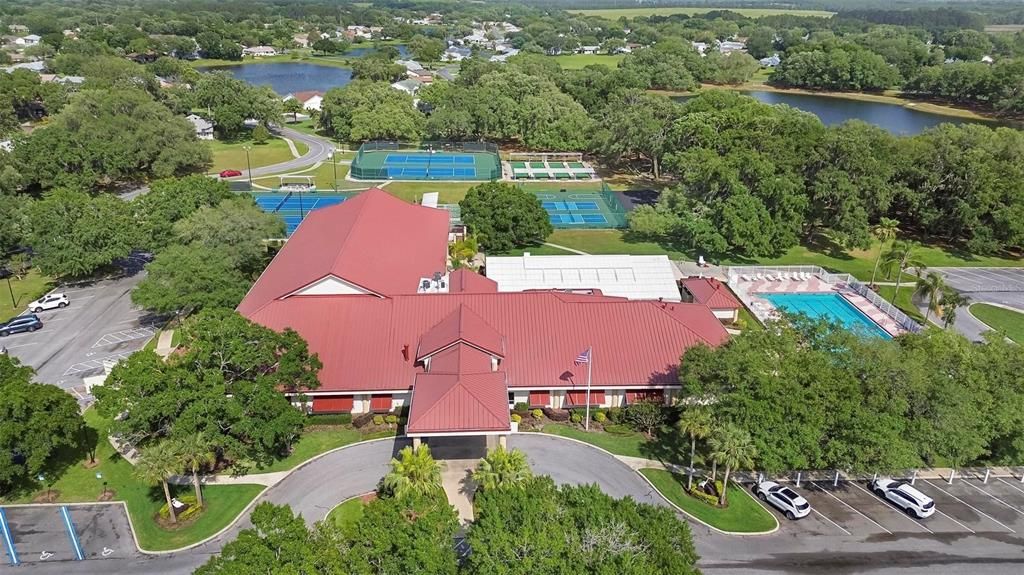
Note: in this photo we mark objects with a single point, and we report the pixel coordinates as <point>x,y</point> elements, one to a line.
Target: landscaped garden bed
<point>742,514</point>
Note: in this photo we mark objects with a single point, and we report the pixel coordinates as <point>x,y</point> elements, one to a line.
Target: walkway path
<point>458,484</point>
<point>291,147</point>
<point>164,347</point>
<point>568,249</point>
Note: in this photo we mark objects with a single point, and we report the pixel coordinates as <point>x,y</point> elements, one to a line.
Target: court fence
<point>615,214</point>
<point>371,164</point>
<point>843,280</point>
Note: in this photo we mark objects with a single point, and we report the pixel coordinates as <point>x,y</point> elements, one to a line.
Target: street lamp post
<point>248,165</point>
<point>99,476</point>
<point>7,274</point>
<point>42,479</point>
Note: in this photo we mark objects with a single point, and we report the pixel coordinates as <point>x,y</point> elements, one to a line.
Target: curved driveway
<point>315,488</point>
<point>319,149</point>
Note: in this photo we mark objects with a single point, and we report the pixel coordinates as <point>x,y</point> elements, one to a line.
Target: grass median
<point>347,513</point>
<point>743,514</point>
<point>21,292</point>
<point>1005,321</point>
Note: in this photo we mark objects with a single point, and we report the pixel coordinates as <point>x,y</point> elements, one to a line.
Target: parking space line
<point>1005,504</point>
<point>22,345</point>
<point>954,521</point>
<point>71,533</point>
<point>823,516</point>
<point>1012,486</point>
<point>852,508</point>
<point>886,502</point>
<point>12,553</point>
<point>969,506</point>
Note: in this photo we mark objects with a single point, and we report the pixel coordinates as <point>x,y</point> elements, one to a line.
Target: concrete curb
<point>342,502</point>
<point>662,495</point>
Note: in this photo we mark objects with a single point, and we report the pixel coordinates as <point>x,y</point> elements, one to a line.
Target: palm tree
<point>195,453</point>
<point>414,471</point>
<point>952,300</point>
<point>155,465</point>
<point>502,468</point>
<point>734,448</point>
<point>695,422</point>
<point>931,287</point>
<point>885,231</point>
<point>901,257</point>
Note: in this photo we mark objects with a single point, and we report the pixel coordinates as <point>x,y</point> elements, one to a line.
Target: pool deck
<point>749,293</point>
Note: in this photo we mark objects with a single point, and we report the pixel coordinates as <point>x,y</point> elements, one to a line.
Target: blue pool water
<point>830,306</point>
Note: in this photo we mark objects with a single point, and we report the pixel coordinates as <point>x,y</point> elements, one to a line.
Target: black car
<point>19,324</point>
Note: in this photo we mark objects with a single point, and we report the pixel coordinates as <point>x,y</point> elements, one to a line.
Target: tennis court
<point>440,161</point>
<point>293,206</point>
<point>597,208</point>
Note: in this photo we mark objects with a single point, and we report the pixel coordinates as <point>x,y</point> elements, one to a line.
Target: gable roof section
<point>461,326</point>
<point>711,292</point>
<point>446,403</point>
<point>467,281</point>
<point>360,339</point>
<point>373,240</point>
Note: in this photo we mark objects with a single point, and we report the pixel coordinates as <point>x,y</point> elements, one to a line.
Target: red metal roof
<point>462,395</point>
<point>711,292</point>
<point>468,281</point>
<point>359,339</point>
<point>462,325</point>
<point>373,240</point>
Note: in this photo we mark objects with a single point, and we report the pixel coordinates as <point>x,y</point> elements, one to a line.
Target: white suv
<point>903,495</point>
<point>49,301</point>
<point>784,499</point>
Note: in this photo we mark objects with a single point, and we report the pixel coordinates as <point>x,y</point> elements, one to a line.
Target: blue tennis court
<point>568,219</point>
<point>468,161</point>
<point>294,207</point>
<point>571,206</point>
<point>430,166</point>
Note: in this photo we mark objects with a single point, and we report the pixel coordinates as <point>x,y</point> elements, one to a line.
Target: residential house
<point>17,29</point>
<point>771,61</point>
<point>301,40</point>
<point>588,49</point>
<point>259,51</point>
<point>26,41</point>
<point>310,99</point>
<point>353,32</point>
<point>203,127</point>
<point>409,86</point>
<point>456,54</point>
<point>410,65</point>
<point>504,56</point>
<point>730,46</point>
<point>700,47</point>
<point>38,67</point>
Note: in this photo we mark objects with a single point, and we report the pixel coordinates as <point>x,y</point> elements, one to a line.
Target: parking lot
<point>60,533</point>
<point>100,324</point>
<point>1003,286</point>
<point>965,507</point>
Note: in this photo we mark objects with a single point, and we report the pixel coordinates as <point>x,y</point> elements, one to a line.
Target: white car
<point>903,495</point>
<point>789,502</point>
<point>49,301</point>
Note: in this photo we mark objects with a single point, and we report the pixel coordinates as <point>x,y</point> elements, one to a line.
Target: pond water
<point>360,50</point>
<point>289,77</point>
<point>893,117</point>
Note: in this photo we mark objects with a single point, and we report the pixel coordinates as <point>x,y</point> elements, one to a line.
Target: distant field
<point>616,13</point>
<point>1004,28</point>
<point>580,61</point>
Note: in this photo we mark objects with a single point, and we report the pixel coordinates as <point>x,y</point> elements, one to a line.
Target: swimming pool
<point>830,306</point>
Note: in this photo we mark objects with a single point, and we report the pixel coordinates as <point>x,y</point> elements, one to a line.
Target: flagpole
<point>590,364</point>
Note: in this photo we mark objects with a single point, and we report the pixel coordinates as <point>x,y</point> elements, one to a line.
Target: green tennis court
<point>464,161</point>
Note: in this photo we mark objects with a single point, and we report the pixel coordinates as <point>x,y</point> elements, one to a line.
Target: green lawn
<point>580,61</point>
<point>76,483</point>
<point>904,301</point>
<point>749,321</point>
<point>1005,321</point>
<point>633,445</point>
<point>323,177</point>
<point>347,514</point>
<point>616,13</point>
<point>856,262</point>
<point>311,444</point>
<point>25,290</point>
<point>743,514</point>
<point>231,155</point>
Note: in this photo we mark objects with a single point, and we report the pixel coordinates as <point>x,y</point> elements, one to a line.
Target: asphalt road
<point>1003,286</point>
<point>906,549</point>
<point>319,148</point>
<point>100,324</point>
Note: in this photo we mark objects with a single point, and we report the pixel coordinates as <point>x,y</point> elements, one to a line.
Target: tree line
<point>814,396</point>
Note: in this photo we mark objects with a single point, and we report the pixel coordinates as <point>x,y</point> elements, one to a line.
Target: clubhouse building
<point>367,284</point>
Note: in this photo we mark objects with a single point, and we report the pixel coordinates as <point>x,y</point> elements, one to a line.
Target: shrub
<point>698,494</point>
<point>391,419</point>
<point>362,420</point>
<point>645,416</point>
<point>537,414</point>
<point>189,500</point>
<point>403,411</point>
<point>521,407</point>
<point>260,134</point>
<point>619,429</point>
<point>600,417</point>
<point>516,417</point>
<point>403,420</point>
<point>330,419</point>
<point>575,417</point>
<point>378,419</point>
<point>615,414</point>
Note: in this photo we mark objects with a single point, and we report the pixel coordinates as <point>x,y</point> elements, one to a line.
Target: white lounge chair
<point>745,277</point>
<point>769,277</point>
<point>759,277</point>
<point>784,276</point>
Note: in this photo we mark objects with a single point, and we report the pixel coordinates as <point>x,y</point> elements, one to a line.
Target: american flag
<point>583,357</point>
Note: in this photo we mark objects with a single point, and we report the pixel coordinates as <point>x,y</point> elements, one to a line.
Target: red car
<point>230,173</point>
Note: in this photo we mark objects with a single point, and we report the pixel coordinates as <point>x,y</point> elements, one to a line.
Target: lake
<point>893,117</point>
<point>362,49</point>
<point>289,77</point>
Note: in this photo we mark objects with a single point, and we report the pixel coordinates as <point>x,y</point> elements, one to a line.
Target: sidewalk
<point>163,344</point>
<point>267,479</point>
<point>458,484</point>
